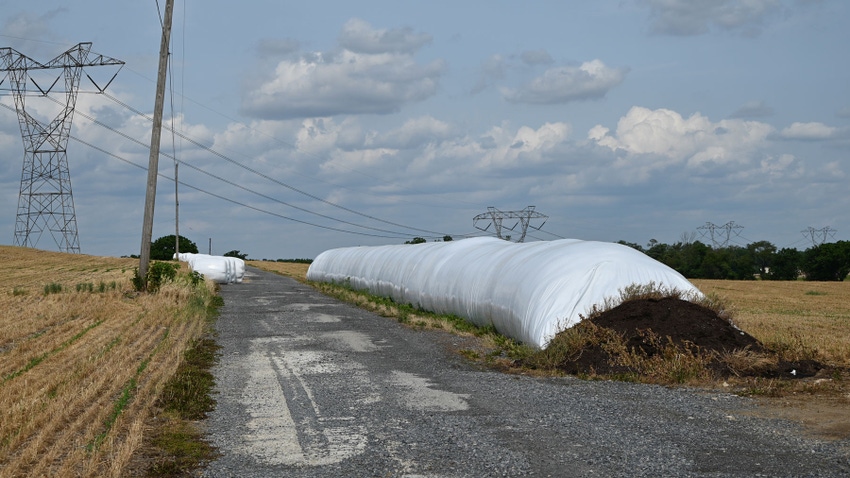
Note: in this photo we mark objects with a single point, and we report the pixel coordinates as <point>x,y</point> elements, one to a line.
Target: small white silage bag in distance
<point>219,269</point>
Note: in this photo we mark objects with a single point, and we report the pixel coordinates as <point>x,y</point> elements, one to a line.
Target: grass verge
<point>176,445</point>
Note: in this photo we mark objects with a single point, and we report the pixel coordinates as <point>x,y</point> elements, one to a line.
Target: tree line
<point>695,260</point>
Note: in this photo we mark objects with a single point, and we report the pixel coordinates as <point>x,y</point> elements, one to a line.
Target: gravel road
<point>311,387</point>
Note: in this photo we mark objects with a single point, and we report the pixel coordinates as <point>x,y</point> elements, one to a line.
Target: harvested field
<point>804,320</point>
<point>296,270</point>
<point>83,358</point>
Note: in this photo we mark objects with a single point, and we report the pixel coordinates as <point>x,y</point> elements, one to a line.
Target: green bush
<point>158,274</point>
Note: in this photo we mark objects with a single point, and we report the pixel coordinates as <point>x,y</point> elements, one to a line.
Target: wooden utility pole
<point>156,133</point>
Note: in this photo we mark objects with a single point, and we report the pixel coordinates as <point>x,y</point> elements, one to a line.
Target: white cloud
<point>782,165</point>
<point>685,17</point>
<point>525,146</point>
<point>654,139</point>
<point>373,73</point>
<point>590,80</point>
<point>834,170</point>
<point>809,131</point>
<point>414,133</point>
<point>359,36</point>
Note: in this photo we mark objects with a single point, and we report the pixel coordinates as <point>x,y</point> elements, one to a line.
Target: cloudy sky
<point>304,126</point>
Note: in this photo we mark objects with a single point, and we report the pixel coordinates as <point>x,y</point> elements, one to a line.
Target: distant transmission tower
<point>819,236</point>
<point>495,217</point>
<point>45,200</point>
<point>720,235</point>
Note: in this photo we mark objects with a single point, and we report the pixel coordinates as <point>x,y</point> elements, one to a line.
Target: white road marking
<point>417,394</point>
<point>274,436</point>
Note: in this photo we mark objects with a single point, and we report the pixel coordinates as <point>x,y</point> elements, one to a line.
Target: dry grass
<point>80,368</point>
<point>802,320</point>
<point>296,270</point>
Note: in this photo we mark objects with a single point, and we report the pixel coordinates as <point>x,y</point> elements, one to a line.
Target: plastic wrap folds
<point>220,269</point>
<point>528,291</point>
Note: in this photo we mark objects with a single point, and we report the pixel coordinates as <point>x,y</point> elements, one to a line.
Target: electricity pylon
<point>720,235</point>
<point>819,236</point>
<point>45,200</point>
<point>496,216</point>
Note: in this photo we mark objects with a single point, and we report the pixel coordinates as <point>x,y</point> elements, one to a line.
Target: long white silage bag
<point>529,291</point>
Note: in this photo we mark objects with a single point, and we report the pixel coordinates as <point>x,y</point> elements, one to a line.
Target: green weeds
<point>158,273</point>
<point>187,397</point>
<point>52,288</point>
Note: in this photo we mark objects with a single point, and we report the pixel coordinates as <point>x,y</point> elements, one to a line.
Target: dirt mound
<point>680,320</point>
<point>649,326</point>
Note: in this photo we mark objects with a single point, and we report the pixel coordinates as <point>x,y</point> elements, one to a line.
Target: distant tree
<point>447,238</point>
<point>762,253</point>
<point>785,265</point>
<point>235,253</point>
<point>827,262</point>
<point>660,252</point>
<point>691,256</point>
<point>416,240</point>
<point>162,249</point>
<point>688,237</point>
<point>631,244</point>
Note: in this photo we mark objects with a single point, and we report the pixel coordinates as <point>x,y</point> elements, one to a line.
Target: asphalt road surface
<point>311,387</point>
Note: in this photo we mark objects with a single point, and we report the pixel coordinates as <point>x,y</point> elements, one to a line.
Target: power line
<point>232,183</point>
<point>307,153</point>
<point>269,178</point>
<point>233,201</point>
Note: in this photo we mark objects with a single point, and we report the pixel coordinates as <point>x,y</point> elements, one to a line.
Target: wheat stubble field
<point>83,358</point>
<point>804,318</point>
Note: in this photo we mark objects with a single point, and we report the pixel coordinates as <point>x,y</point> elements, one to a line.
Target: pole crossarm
<point>495,217</point>
<point>45,201</point>
<point>78,56</point>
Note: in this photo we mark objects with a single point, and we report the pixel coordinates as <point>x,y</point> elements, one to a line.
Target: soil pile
<point>649,325</point>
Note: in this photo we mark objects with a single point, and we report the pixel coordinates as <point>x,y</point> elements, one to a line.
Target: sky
<point>304,126</point>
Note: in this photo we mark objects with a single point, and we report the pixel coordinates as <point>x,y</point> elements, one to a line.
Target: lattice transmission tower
<point>819,236</point>
<point>720,235</point>
<point>45,201</point>
<point>495,218</point>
